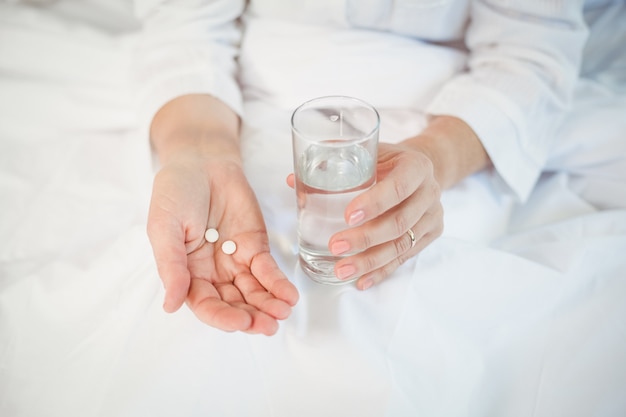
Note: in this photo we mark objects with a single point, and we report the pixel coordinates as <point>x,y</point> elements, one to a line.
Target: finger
<point>263,324</point>
<point>390,225</point>
<point>224,308</point>
<point>257,296</point>
<point>408,171</point>
<point>266,271</point>
<point>394,252</point>
<point>376,257</point>
<point>378,275</point>
<point>207,304</point>
<point>168,245</point>
<point>291,180</point>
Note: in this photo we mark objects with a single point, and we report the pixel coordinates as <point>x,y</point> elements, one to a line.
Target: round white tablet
<point>229,247</point>
<point>211,235</point>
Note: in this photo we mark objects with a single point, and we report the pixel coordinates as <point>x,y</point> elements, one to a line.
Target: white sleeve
<point>186,47</point>
<point>523,64</point>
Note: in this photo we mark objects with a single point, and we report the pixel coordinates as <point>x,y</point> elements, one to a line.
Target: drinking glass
<point>335,146</point>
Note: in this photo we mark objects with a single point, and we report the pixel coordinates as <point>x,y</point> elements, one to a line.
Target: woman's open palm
<point>243,291</point>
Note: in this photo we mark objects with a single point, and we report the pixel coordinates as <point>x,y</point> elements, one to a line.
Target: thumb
<point>167,238</point>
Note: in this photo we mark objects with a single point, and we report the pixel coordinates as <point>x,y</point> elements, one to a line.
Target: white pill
<point>229,247</point>
<point>211,235</point>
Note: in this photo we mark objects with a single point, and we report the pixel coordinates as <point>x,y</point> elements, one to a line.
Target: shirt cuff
<point>493,118</point>
<point>163,90</point>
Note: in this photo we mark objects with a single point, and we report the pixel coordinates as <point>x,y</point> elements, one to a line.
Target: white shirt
<point>506,68</point>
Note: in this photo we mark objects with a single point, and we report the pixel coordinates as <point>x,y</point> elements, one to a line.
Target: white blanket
<point>518,310</point>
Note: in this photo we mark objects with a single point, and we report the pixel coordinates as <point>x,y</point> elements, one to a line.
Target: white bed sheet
<point>518,310</point>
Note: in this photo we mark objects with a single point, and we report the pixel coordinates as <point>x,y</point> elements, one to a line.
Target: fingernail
<point>345,271</point>
<point>367,284</point>
<point>339,247</point>
<point>356,217</point>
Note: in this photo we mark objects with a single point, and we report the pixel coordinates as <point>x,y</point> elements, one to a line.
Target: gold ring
<point>412,236</point>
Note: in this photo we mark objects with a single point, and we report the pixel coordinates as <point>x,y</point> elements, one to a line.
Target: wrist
<point>195,126</point>
<point>200,146</point>
<point>453,147</point>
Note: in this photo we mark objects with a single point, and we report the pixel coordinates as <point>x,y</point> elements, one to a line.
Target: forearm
<point>454,149</point>
<point>197,124</point>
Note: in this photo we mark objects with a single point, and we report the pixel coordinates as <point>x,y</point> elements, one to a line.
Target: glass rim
<point>349,98</point>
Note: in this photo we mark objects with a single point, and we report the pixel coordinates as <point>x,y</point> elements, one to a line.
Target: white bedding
<point>518,310</point>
